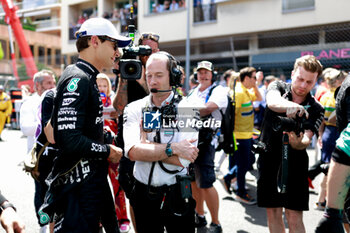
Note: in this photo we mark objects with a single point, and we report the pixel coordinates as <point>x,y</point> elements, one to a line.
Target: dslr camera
<point>298,125</point>
<point>129,66</point>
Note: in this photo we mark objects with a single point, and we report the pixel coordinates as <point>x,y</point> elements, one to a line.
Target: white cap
<point>102,27</point>
<point>205,65</point>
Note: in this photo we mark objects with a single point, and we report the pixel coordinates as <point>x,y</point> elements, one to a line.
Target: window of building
<point>297,5</point>
<point>338,33</point>
<point>204,11</point>
<point>41,54</point>
<point>32,49</point>
<point>49,57</point>
<point>160,6</point>
<point>288,38</point>
<point>58,57</point>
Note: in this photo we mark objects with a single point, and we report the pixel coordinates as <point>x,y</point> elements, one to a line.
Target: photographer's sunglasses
<point>153,37</point>
<point>110,39</point>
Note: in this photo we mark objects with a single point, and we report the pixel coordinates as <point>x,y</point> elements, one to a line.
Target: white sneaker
<point>234,186</point>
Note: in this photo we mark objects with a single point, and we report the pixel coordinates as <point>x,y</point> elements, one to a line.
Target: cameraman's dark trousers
<point>162,207</point>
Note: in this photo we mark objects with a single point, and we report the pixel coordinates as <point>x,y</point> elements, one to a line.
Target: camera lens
<point>130,68</point>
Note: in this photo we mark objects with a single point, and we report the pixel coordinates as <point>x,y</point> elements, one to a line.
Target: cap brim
<point>203,67</point>
<point>124,43</point>
<point>122,40</point>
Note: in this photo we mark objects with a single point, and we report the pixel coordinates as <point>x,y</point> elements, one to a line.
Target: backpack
<point>226,138</point>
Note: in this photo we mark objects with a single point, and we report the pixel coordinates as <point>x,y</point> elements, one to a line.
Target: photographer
<point>161,156</point>
<point>295,102</point>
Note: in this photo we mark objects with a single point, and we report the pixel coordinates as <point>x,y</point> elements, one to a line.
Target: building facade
<point>41,21</point>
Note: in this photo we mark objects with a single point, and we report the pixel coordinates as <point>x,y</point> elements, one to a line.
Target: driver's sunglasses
<point>150,36</point>
<point>104,38</point>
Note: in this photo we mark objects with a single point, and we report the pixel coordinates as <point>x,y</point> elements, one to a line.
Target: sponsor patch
<point>67,111</point>
<point>68,101</point>
<point>73,84</point>
<point>66,119</point>
<point>98,148</point>
<point>66,126</point>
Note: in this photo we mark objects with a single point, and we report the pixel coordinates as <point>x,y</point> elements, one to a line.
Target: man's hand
<point>48,130</point>
<point>115,154</point>
<point>185,149</point>
<point>10,221</point>
<point>298,142</point>
<point>293,109</point>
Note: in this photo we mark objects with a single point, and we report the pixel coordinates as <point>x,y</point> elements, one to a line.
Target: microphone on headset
<point>154,90</point>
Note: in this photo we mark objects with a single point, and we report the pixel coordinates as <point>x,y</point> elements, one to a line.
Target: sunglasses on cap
<point>150,36</point>
<point>111,40</point>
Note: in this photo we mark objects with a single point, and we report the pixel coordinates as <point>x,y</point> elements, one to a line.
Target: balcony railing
<point>29,4</point>
<point>45,24</point>
<point>32,4</point>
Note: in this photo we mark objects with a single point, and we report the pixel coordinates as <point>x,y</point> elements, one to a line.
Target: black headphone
<point>213,72</point>
<point>174,71</point>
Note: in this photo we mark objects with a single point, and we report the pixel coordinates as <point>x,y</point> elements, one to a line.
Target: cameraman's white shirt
<point>131,134</point>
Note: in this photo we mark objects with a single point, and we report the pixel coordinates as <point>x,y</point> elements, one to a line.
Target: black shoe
<point>200,221</point>
<point>226,184</point>
<point>215,228</point>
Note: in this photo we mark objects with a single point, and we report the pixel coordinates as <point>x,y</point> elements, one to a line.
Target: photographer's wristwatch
<point>5,205</point>
<point>168,150</point>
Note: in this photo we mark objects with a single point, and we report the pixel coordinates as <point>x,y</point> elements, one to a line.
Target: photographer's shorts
<point>297,196</point>
<point>204,166</point>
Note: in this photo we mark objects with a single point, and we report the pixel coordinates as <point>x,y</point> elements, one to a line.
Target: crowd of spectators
<point>167,6</point>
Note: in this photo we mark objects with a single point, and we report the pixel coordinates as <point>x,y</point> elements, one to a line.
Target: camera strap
<point>282,185</point>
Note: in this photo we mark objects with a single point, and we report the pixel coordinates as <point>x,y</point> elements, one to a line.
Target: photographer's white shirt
<point>132,131</point>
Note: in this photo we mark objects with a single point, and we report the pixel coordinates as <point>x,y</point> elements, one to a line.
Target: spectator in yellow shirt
<point>5,109</point>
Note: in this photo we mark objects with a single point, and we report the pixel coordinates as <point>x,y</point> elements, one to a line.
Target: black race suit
<point>79,196</point>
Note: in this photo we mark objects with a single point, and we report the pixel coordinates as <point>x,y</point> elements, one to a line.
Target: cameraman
<point>131,90</point>
<point>293,101</point>
<point>162,155</point>
<point>127,92</point>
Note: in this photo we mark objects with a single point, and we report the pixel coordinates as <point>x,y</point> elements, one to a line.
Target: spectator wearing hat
<point>5,109</point>
<point>79,195</point>
<point>213,99</point>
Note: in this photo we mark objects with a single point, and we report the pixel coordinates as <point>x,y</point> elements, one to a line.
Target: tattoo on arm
<point>121,98</point>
